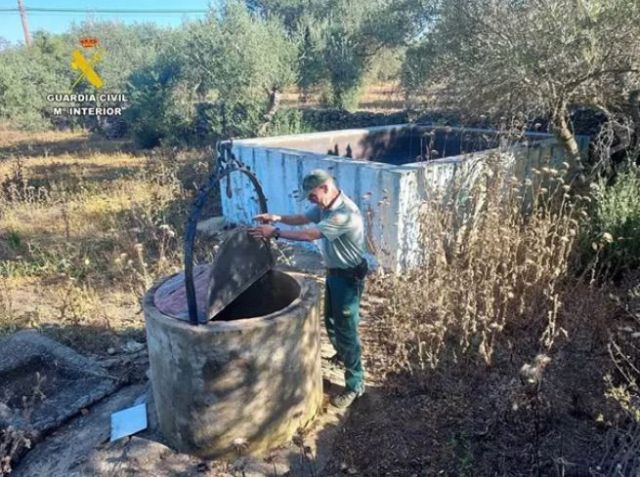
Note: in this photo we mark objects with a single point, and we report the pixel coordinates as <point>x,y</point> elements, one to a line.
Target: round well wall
<point>252,374</point>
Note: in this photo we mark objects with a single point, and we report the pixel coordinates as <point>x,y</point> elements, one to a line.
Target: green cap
<point>312,180</point>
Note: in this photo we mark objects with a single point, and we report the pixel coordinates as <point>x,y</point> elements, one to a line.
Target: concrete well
<point>252,375</point>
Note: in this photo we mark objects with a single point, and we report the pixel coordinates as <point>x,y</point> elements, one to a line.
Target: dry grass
<point>12,444</point>
<point>488,267</point>
<point>84,230</point>
<point>497,355</point>
<point>506,350</point>
<point>14,138</point>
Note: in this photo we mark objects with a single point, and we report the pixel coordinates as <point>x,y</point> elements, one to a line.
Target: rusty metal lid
<point>171,296</point>
<point>241,261</point>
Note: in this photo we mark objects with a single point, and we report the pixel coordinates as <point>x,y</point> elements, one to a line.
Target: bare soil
<point>465,418</point>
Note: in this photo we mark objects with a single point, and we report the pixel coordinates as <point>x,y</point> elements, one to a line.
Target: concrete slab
<point>43,382</point>
<point>81,447</point>
<point>70,450</point>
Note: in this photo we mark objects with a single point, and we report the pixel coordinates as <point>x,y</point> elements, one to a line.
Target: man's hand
<point>267,218</point>
<point>262,231</point>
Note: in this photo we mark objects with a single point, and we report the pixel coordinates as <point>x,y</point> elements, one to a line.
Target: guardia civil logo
<point>86,101</point>
<point>85,64</point>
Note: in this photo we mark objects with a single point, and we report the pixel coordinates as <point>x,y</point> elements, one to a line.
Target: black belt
<point>357,272</point>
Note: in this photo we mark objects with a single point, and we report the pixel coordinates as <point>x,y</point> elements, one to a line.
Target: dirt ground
<point>461,419</point>
<point>81,448</point>
<point>470,419</point>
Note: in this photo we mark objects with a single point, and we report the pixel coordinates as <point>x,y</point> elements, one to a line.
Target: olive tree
<point>543,56</point>
<point>218,77</point>
<point>338,40</point>
<point>28,74</point>
<point>240,61</point>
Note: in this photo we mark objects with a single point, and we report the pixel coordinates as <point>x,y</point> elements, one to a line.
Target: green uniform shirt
<point>342,231</point>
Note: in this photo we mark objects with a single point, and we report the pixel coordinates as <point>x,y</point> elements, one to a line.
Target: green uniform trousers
<point>341,317</point>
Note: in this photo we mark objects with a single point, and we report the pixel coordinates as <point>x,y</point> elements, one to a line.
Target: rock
<point>132,346</point>
<point>147,453</point>
<point>255,467</point>
<point>111,351</point>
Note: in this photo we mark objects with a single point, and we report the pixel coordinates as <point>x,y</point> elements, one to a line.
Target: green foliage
<point>157,112</point>
<point>27,75</point>
<point>339,40</point>
<point>127,48</point>
<point>288,121</point>
<point>311,43</point>
<point>229,67</point>
<point>386,65</point>
<point>613,238</point>
<point>345,64</point>
<point>534,57</point>
<point>417,68</point>
<point>226,119</point>
<point>233,64</point>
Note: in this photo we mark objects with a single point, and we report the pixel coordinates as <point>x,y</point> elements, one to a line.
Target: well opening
<point>274,291</point>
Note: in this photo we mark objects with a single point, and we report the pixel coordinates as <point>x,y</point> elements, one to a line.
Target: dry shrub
<point>13,443</point>
<point>621,455</point>
<point>496,250</point>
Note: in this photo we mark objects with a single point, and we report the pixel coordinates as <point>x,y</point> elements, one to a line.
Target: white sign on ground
<point>128,421</point>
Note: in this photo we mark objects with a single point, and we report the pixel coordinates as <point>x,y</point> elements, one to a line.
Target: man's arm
<point>306,235</point>
<point>298,219</point>
<point>267,231</point>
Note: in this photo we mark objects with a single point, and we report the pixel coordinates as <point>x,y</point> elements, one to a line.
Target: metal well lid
<point>241,261</point>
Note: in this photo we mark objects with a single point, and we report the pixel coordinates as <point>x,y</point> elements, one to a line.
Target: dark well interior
<point>273,292</point>
<point>396,145</point>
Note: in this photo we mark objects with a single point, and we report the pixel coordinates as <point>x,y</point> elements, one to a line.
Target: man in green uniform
<point>340,226</point>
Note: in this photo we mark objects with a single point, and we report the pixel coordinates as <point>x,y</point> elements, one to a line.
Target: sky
<point>57,22</point>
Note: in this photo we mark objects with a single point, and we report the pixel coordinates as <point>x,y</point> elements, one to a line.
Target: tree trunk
<point>564,134</point>
<point>274,104</point>
<point>634,103</point>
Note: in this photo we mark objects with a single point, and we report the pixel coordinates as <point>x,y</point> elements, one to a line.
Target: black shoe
<point>334,360</point>
<point>345,399</point>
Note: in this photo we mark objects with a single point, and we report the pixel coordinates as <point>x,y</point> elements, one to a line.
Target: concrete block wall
<point>389,196</point>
